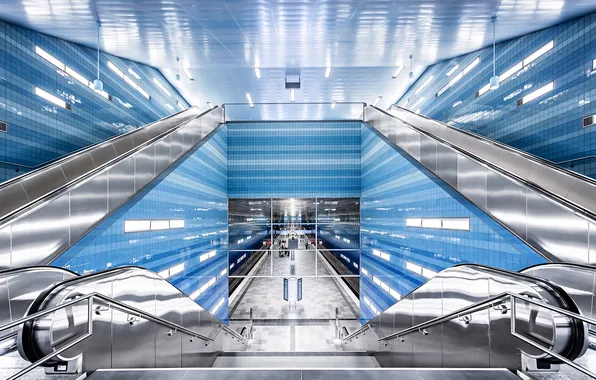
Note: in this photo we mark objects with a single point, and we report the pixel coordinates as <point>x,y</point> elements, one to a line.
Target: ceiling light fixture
<point>250,103</point>
<point>177,72</point>
<point>377,100</point>
<point>292,95</point>
<point>187,73</point>
<point>411,75</point>
<point>257,73</point>
<point>333,104</point>
<point>397,72</point>
<point>494,80</point>
<point>328,72</point>
<point>98,84</point>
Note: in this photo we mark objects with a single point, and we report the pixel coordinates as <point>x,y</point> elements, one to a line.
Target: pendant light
<point>411,75</point>
<point>177,73</point>
<point>98,84</point>
<point>494,80</point>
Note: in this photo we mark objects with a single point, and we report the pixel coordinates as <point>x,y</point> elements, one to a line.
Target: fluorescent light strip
<point>371,306</point>
<point>333,104</point>
<point>594,64</point>
<point>167,273</point>
<point>187,73</point>
<point>257,73</point>
<point>520,65</point>
<point>204,288</point>
<point>216,307</point>
<point>50,58</point>
<point>51,98</point>
<point>133,73</point>
<point>536,94</point>
<point>292,95</point>
<point>426,83</point>
<point>377,100</point>
<point>397,72</point>
<point>418,102</point>
<point>386,288</point>
<point>452,70</point>
<point>473,64</point>
<point>170,107</point>
<point>152,225</point>
<point>425,272</point>
<point>223,272</point>
<point>180,105</point>
<point>460,75</point>
<point>345,257</point>
<point>382,255</point>
<point>328,72</point>
<point>364,271</point>
<point>460,224</point>
<point>206,256</point>
<point>250,103</point>
<point>127,79</point>
<point>161,87</point>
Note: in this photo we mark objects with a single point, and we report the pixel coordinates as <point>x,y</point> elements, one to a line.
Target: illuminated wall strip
<point>382,255</point>
<point>162,87</point>
<point>452,70</point>
<point>371,306</point>
<point>203,288</point>
<point>167,273</point>
<point>223,272</point>
<point>536,94</point>
<point>460,75</point>
<point>180,105</point>
<point>152,225</point>
<point>520,65</point>
<point>364,271</point>
<point>426,83</point>
<point>460,224</point>
<point>216,307</point>
<point>127,79</point>
<point>425,272</point>
<point>52,99</point>
<point>187,73</point>
<point>386,288</point>
<point>206,256</point>
<point>345,257</point>
<point>133,73</point>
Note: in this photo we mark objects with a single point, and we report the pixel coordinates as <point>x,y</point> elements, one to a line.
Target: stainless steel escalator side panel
<point>523,193</point>
<point>121,339</point>
<point>63,218</point>
<point>5,247</point>
<point>480,339</point>
<point>19,288</point>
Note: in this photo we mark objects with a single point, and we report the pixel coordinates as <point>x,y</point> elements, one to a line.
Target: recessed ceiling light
<point>397,72</point>
<point>257,73</point>
<point>377,100</point>
<point>187,73</point>
<point>328,72</point>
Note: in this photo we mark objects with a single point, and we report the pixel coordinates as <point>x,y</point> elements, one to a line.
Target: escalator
<point>551,209</point>
<point>60,202</point>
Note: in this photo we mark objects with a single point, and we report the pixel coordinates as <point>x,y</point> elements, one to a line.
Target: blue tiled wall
<point>550,126</point>
<point>294,159</point>
<point>395,187</point>
<point>39,131</point>
<point>194,189</point>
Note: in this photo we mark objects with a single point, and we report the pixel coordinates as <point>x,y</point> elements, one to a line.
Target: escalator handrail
<point>85,149</point>
<point>536,280</point>
<point>14,214</point>
<point>574,207</point>
<point>519,152</point>
<point>13,271</point>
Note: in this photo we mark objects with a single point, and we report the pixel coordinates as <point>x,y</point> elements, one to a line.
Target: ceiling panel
<point>221,41</point>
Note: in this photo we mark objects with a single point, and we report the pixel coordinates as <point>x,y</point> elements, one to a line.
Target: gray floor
<point>11,363</point>
<point>351,374</point>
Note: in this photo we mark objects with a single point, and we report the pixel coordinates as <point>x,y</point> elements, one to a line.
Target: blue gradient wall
<point>294,159</point>
<point>550,126</point>
<point>194,189</point>
<point>39,131</point>
<point>395,187</point>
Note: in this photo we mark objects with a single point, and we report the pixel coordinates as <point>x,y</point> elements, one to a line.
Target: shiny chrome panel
<point>120,338</point>
<point>548,207</point>
<point>20,287</point>
<point>479,339</point>
<point>60,215</point>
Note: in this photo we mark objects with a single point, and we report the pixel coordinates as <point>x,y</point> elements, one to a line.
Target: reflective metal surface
<point>62,211</point>
<point>20,287</point>
<point>479,339</point>
<point>124,339</point>
<point>526,194</point>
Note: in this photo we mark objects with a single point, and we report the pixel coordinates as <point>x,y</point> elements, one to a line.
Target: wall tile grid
<point>38,130</point>
<point>194,189</point>
<point>549,126</point>
<point>395,187</point>
<point>294,159</point>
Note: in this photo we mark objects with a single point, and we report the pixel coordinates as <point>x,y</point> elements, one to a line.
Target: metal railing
<point>498,302</point>
<point>134,315</point>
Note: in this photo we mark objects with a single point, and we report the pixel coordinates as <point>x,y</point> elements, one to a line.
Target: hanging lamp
<point>494,80</point>
<point>97,83</point>
<point>411,75</point>
<point>177,73</point>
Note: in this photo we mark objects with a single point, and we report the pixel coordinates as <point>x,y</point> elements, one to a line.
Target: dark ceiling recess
<point>292,81</point>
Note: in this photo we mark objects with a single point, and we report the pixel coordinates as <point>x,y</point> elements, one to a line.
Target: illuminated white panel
<point>511,71</point>
<point>77,76</point>
<point>50,98</point>
<point>137,225</point>
<point>471,65</point>
<point>133,73</point>
<point>144,93</point>
<point>178,223</point>
<point>170,107</point>
<point>380,254</point>
<point>257,73</point>
<point>538,93</point>
<point>216,307</point>
<point>157,225</point>
<point>414,222</point>
<point>180,105</point>
<point>395,294</point>
<point>355,264</point>
<point>364,271</point>
<point>187,73</point>
<point>176,269</point>
<point>414,267</point>
<point>346,240</point>
<point>223,272</point>
<point>431,223</point>
<point>161,87</point>
<point>426,83</point>
<point>130,81</point>
<point>164,273</point>
<point>328,72</point>
<point>371,306</point>
<point>115,69</point>
<point>428,273</point>
<point>462,224</point>
<point>397,72</point>
<point>406,102</point>
<point>337,237</point>
<point>50,58</point>
<point>484,90</point>
<point>241,258</point>
<point>538,53</point>
<point>207,255</point>
<point>418,102</point>
<point>345,257</point>
<point>452,70</point>
<point>232,265</point>
<point>594,64</point>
